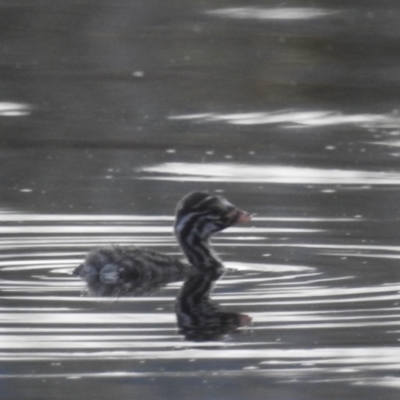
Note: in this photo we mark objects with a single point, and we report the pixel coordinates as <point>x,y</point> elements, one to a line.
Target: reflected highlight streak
<point>337,246</point>
<point>19,217</point>
<point>87,318</point>
<point>296,118</point>
<point>271,13</point>
<point>223,172</point>
<point>367,357</point>
<point>267,267</point>
<point>10,109</point>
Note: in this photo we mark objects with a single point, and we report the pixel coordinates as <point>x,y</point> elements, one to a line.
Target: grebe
<point>119,270</point>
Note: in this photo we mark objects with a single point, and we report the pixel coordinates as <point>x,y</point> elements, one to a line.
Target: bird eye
<point>216,210</point>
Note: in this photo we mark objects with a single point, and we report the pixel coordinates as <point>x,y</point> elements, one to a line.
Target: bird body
<point>129,270</point>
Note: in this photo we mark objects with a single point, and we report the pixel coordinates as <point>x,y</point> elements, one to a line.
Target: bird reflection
<point>116,270</point>
<point>198,318</point>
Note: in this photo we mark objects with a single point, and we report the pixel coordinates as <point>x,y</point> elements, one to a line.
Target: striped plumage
<point>198,217</point>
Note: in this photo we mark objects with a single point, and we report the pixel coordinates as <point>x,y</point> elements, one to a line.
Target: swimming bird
<point>122,270</point>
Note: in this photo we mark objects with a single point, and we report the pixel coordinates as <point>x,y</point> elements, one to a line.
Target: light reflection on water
<point>285,299</point>
<point>234,172</point>
<point>287,13</point>
<point>301,118</point>
<point>10,109</point>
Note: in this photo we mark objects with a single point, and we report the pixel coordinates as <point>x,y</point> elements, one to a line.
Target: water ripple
<point>44,316</point>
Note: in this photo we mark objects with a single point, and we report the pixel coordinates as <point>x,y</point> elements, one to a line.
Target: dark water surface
<point>111,111</point>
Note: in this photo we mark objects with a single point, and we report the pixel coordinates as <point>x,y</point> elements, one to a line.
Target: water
<point>110,113</point>
<point>322,292</point>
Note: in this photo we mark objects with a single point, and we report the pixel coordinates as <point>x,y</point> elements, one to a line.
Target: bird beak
<point>243,217</point>
<point>240,216</point>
